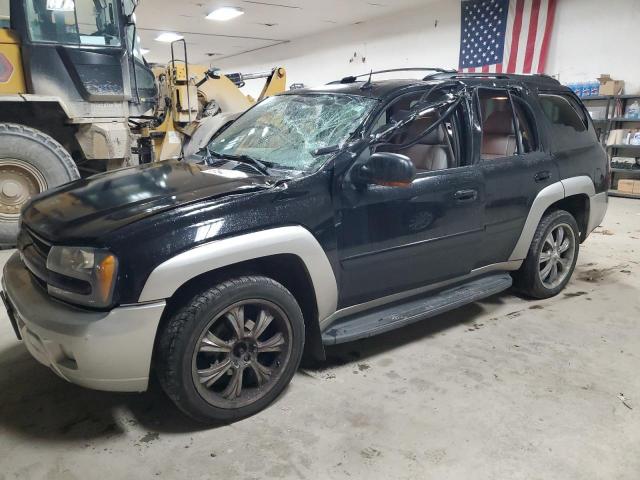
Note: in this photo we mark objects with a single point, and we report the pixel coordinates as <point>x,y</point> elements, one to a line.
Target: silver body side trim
<point>167,277</point>
<point>578,185</point>
<point>378,302</point>
<point>597,209</point>
<point>548,196</point>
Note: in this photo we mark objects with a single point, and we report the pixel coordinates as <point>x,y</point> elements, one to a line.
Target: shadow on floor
<point>362,349</point>
<point>35,403</point>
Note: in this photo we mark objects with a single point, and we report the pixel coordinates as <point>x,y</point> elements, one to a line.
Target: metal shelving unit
<point>604,126</point>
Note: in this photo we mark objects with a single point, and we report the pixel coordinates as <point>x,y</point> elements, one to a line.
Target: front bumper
<point>101,350</point>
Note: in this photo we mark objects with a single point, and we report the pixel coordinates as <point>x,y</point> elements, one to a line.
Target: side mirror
<point>386,169</point>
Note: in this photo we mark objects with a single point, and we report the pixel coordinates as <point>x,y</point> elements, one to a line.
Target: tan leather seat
<point>430,153</point>
<point>498,136</point>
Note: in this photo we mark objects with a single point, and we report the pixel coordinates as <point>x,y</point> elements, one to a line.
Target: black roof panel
<point>381,89</point>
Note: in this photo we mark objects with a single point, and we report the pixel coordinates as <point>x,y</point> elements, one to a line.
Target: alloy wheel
<point>557,255</point>
<point>241,353</point>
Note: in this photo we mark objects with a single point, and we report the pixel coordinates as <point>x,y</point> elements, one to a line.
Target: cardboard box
<point>609,86</point>
<point>629,186</point>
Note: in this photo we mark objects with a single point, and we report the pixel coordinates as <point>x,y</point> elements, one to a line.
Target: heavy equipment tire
<point>552,256</point>
<point>30,162</point>
<point>231,350</point>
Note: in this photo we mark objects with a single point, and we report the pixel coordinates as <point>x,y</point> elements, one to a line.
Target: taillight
<point>6,69</point>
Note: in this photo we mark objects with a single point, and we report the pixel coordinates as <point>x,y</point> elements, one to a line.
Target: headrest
<point>498,123</point>
<point>418,126</point>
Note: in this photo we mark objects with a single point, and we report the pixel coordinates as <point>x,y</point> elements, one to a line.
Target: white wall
<point>590,37</point>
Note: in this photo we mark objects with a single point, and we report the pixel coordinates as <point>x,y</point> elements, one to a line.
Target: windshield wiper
<point>254,162</point>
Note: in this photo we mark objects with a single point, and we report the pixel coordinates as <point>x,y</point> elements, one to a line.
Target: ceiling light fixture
<point>168,37</point>
<point>224,14</point>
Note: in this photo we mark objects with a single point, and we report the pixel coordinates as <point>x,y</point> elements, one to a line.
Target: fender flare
<point>545,198</point>
<point>170,275</point>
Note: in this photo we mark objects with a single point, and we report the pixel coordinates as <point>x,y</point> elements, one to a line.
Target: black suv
<point>319,216</point>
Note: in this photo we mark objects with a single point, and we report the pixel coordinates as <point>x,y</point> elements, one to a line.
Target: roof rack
<point>498,76</point>
<point>354,78</point>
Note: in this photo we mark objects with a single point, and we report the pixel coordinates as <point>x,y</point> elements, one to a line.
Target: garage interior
<point>506,387</point>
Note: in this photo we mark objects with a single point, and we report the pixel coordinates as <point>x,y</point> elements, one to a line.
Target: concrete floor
<point>504,389</point>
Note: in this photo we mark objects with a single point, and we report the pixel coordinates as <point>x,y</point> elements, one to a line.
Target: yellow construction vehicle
<point>77,97</point>
<point>195,101</point>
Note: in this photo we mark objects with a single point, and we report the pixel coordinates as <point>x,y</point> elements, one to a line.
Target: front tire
<point>552,256</point>
<point>231,350</point>
<point>30,163</point>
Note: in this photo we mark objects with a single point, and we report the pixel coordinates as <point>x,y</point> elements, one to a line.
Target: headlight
<point>85,276</point>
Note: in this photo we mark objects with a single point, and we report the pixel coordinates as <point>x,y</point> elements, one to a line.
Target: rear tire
<point>30,163</point>
<point>552,256</point>
<point>231,350</point>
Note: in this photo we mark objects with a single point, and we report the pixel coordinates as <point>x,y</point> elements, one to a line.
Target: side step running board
<point>387,318</point>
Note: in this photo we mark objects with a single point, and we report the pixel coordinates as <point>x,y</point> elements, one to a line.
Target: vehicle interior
<point>434,151</point>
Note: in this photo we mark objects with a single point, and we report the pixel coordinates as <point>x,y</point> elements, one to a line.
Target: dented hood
<point>89,208</point>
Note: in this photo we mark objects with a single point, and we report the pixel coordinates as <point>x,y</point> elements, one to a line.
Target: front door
<point>514,166</point>
<point>394,239</point>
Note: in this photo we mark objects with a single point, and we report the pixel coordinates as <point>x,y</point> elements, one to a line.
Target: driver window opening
<point>437,150</point>
<point>85,22</point>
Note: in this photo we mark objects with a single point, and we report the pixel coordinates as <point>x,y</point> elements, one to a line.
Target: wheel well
<point>49,118</point>
<point>578,206</point>
<point>286,269</point>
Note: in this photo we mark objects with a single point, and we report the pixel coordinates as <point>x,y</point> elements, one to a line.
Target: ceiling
<point>264,24</point>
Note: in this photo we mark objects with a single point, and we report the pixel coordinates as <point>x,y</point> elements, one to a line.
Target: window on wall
<point>84,22</point>
<point>5,14</point>
<point>508,127</point>
<point>569,122</point>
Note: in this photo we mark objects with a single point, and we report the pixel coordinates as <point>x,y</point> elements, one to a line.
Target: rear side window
<point>560,111</point>
<point>570,127</point>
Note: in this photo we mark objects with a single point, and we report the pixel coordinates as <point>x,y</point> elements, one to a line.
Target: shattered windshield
<point>285,131</point>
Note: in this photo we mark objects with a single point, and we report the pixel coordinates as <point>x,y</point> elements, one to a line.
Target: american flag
<point>505,36</point>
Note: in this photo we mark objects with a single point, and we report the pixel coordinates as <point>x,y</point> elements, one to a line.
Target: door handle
<point>466,195</point>
<point>542,176</point>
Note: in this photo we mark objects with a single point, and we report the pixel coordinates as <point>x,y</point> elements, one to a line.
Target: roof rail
<point>354,78</point>
<point>499,76</point>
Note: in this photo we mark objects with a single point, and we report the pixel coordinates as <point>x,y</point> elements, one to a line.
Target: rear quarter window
<point>568,121</point>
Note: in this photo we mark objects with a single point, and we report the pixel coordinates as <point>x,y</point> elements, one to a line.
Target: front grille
<point>34,251</point>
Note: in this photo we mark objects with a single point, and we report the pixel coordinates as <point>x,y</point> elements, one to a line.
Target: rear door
<point>514,164</point>
<point>394,239</point>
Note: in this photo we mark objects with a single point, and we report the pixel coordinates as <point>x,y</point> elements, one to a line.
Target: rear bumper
<point>101,350</point>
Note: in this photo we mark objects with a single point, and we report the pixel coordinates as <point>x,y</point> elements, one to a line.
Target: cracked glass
<point>286,131</point>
